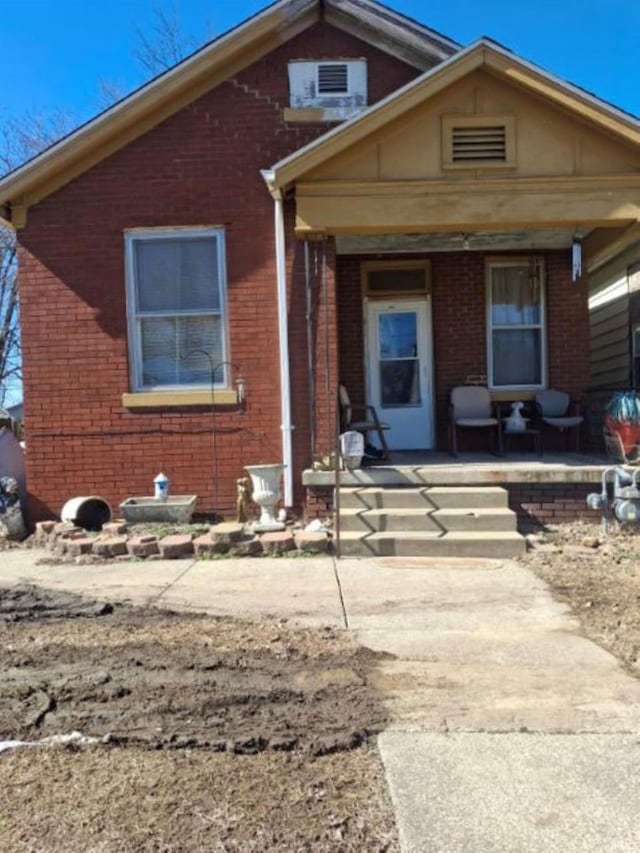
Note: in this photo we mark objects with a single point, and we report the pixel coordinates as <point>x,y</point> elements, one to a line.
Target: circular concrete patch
<point>472,563</point>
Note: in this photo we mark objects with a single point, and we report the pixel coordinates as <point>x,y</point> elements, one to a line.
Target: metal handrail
<point>336,481</point>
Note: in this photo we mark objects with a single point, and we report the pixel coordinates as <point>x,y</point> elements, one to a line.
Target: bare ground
<point>599,577</point>
<point>218,734</point>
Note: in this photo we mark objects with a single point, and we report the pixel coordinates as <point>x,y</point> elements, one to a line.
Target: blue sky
<point>56,52</point>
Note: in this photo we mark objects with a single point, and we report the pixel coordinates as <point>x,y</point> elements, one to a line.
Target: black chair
<point>369,422</point>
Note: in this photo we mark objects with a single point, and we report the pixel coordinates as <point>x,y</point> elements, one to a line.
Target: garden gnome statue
<point>242,500</point>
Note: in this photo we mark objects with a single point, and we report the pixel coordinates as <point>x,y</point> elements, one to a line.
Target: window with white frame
<point>516,324</point>
<point>176,289</point>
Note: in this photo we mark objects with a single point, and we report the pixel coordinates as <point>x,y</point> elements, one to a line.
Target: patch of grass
<point>203,556</point>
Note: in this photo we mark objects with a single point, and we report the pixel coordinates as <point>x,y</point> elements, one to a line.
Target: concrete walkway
<point>509,730</point>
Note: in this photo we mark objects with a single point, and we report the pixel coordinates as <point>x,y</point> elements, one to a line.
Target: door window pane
<point>398,335</point>
<point>399,366</point>
<point>400,383</point>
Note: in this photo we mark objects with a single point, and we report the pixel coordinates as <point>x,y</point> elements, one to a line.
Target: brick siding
<point>547,503</point>
<point>202,167</point>
<point>199,167</point>
<point>459,327</point>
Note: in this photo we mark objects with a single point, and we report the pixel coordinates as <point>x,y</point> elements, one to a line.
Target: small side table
<point>533,433</point>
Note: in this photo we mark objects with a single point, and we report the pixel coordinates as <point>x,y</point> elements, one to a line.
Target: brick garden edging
<point>115,542</point>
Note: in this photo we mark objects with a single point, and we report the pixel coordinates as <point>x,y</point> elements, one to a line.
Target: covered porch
<point>541,490</point>
<point>444,238</point>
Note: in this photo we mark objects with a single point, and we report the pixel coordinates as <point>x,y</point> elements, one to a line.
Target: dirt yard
<point>214,734</point>
<point>599,577</point>
<point>220,735</point>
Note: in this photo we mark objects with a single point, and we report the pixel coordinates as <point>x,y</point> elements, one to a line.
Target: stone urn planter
<point>265,480</point>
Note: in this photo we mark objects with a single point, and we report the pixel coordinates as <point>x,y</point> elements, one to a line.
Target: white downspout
<point>283,334</point>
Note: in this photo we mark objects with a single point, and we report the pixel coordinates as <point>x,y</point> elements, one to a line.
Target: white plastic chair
<point>470,408</point>
<point>554,407</point>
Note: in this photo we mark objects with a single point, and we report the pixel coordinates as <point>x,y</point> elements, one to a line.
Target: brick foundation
<point>318,502</point>
<point>535,504</point>
<point>549,503</point>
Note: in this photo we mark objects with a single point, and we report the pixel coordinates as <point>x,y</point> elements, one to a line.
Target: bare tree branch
<point>10,355</point>
<point>160,46</point>
<point>164,43</point>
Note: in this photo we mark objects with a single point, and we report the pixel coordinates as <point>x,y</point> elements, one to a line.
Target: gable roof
<point>483,53</point>
<point>209,66</point>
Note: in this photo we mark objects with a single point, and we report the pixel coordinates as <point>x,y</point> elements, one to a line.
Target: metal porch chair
<point>369,422</point>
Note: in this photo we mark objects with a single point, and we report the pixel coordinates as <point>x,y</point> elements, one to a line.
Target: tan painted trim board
<point>158,399</point>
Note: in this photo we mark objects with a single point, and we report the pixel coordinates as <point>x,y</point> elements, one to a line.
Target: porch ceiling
<point>491,241</point>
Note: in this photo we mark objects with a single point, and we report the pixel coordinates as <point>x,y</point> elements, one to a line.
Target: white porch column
<point>283,334</point>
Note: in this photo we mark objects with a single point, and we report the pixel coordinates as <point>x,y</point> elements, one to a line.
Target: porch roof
<point>484,53</point>
<point>572,161</point>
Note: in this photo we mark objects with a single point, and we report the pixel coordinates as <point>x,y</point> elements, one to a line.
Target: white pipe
<point>283,334</point>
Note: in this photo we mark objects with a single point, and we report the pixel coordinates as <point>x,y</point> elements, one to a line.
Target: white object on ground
<point>54,740</point>
<point>265,480</point>
<point>316,526</point>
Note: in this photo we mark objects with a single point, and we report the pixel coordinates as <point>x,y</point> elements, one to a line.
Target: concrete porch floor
<point>415,468</point>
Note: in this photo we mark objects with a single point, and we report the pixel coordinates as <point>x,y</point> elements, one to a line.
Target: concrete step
<point>501,545</point>
<point>468,497</point>
<point>377,497</point>
<point>498,519</point>
<point>438,521</point>
<point>396,519</point>
<point>436,497</point>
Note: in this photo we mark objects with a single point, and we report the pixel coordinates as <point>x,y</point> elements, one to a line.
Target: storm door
<point>399,370</point>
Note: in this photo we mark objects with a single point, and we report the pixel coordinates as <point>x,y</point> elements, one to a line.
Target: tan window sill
<point>316,115</point>
<point>155,399</point>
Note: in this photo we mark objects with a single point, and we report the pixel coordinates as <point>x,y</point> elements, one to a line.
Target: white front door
<point>399,370</point>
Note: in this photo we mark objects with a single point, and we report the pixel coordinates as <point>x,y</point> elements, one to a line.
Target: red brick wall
<point>549,503</point>
<point>201,166</point>
<point>459,325</point>
<point>535,504</point>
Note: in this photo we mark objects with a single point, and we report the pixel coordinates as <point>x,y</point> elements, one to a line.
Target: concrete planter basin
<point>177,509</point>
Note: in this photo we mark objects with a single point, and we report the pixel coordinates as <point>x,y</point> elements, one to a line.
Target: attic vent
<point>333,78</point>
<point>336,86</point>
<point>479,144</point>
<point>478,141</point>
